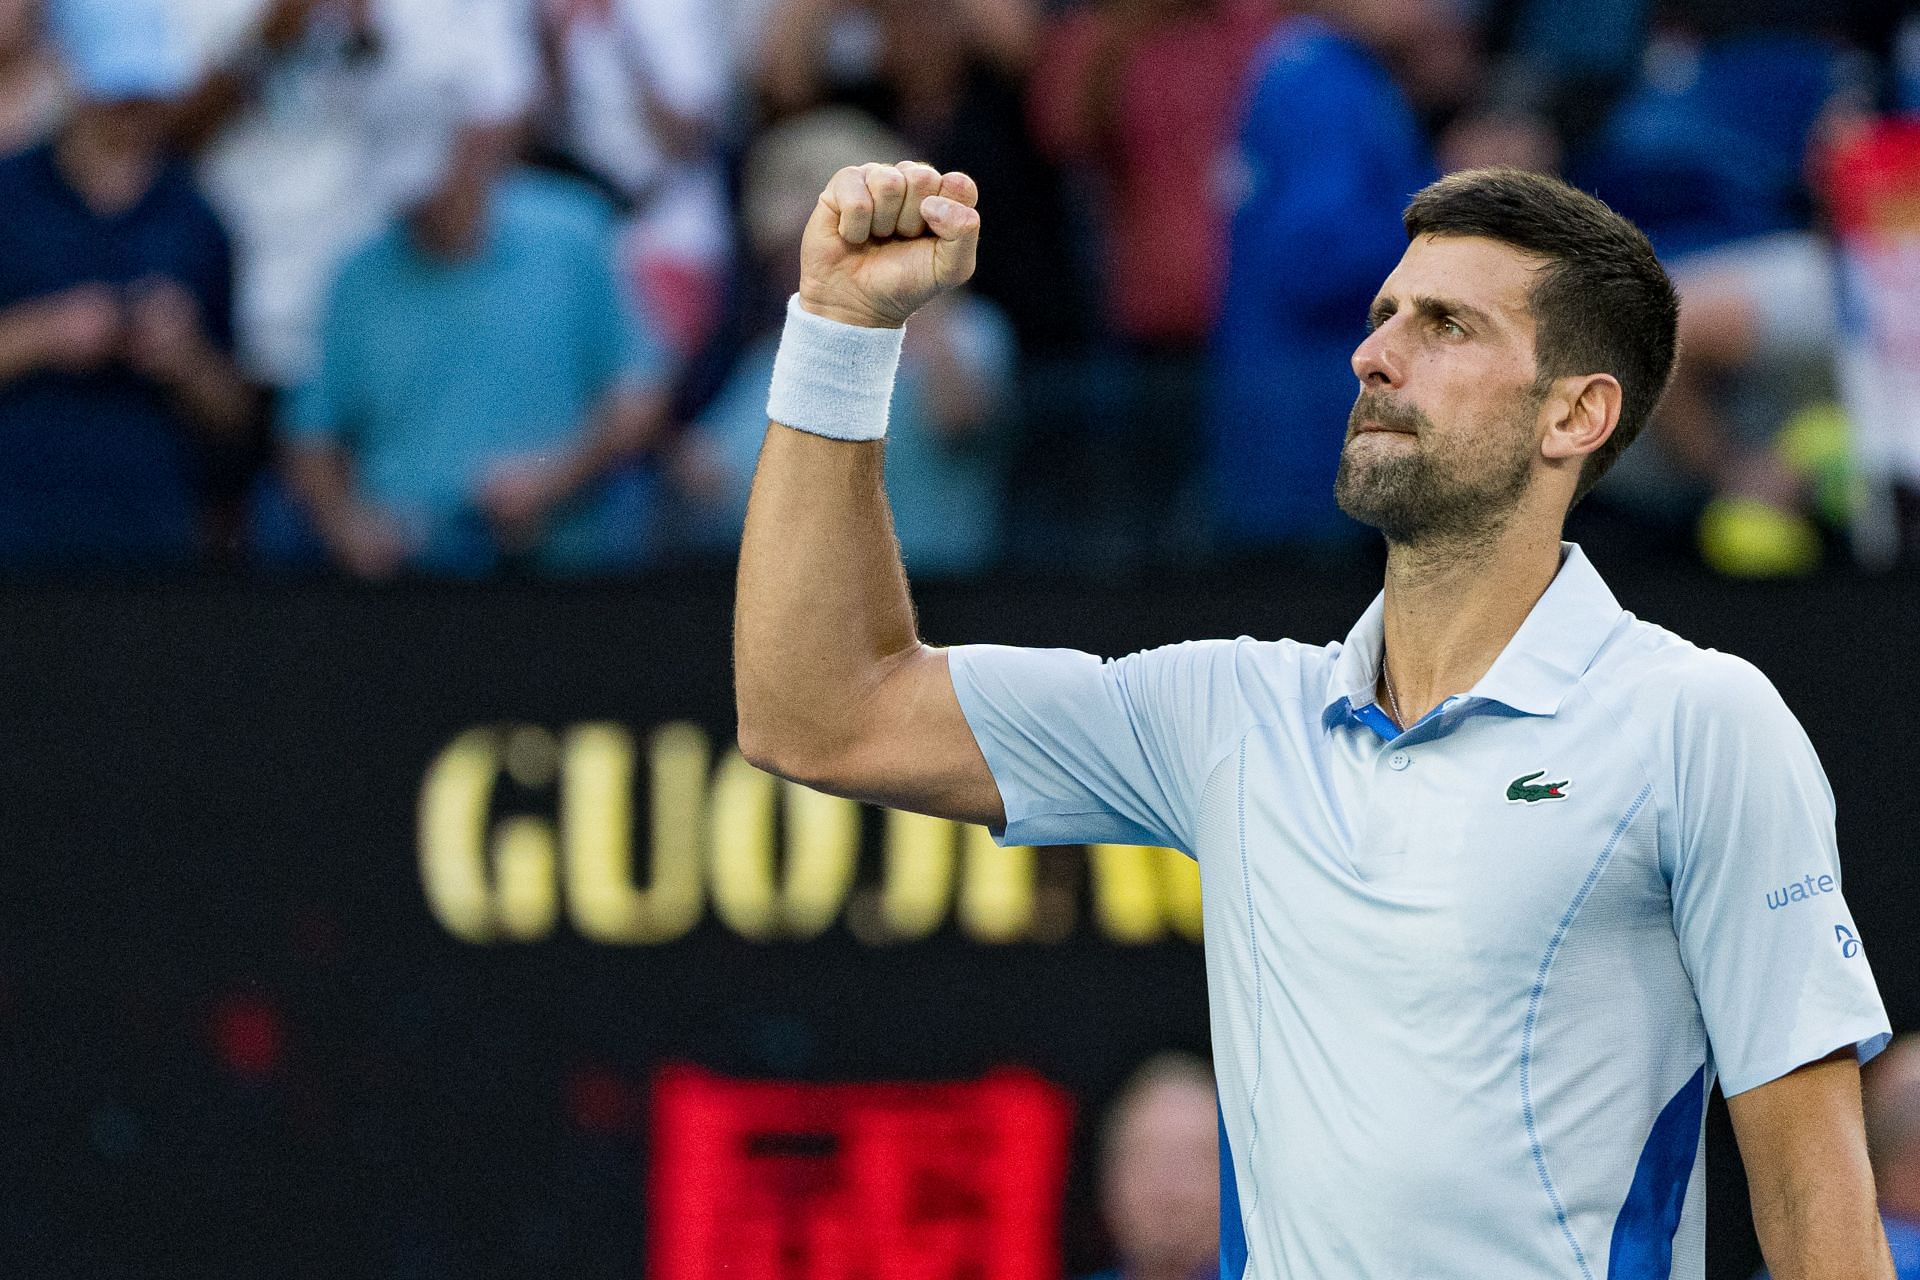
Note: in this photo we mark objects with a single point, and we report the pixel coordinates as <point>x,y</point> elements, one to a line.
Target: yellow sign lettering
<point>777,860</point>
<point>454,820</point>
<point>597,831</point>
<point>822,843</point>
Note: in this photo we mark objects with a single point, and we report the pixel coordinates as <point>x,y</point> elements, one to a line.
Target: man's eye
<point>1451,327</point>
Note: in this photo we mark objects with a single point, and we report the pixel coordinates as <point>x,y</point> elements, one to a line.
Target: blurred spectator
<point>319,120</point>
<point>1890,1087</point>
<point>115,283</point>
<point>32,89</point>
<point>943,475</point>
<point>1870,181</point>
<point>1561,65</point>
<point>480,387</point>
<point>1160,1173</point>
<point>640,87</point>
<point>639,93</point>
<point>949,78</point>
<point>1558,66</point>
<point>1143,96</point>
<point>1329,153</point>
<point>1707,152</point>
<point>1758,324</point>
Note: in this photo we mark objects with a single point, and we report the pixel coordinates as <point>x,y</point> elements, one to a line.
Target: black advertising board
<point>348,927</point>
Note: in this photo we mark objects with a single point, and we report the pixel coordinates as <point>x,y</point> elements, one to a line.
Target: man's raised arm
<point>832,684</point>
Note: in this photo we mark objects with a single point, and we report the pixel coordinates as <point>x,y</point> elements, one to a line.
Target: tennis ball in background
<point>1747,538</point>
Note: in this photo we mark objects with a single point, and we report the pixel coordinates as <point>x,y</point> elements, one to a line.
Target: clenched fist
<point>885,239</point>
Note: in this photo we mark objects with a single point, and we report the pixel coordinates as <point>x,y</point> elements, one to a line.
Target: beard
<point>1420,489</point>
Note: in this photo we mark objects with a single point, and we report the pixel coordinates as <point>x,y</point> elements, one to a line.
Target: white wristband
<point>833,379</point>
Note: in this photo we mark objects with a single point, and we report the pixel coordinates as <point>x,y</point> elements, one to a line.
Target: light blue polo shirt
<point>1470,984</point>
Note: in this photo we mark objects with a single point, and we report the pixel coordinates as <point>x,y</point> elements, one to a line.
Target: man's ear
<point>1581,414</point>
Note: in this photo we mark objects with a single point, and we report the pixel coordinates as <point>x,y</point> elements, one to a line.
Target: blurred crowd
<point>469,287</point>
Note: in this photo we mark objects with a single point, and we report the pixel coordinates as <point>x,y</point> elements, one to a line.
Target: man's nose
<point>1375,362</point>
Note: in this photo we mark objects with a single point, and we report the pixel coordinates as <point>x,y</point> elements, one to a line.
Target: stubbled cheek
<point>1440,379</point>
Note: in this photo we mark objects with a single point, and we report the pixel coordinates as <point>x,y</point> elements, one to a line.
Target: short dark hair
<point>1601,304</point>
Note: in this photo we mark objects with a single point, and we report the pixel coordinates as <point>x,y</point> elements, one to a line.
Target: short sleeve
<point>1777,962</point>
<point>1086,751</point>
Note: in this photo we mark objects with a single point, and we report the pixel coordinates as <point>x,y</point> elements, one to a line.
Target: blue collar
<point>1546,657</point>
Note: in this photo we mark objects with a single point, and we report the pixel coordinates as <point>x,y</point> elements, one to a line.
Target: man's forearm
<point>211,105</point>
<point>1827,1230</point>
<point>826,673</point>
<point>225,90</point>
<point>822,609</point>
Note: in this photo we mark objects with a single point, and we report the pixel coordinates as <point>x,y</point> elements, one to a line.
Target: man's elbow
<point>761,749</point>
<point>793,753</point>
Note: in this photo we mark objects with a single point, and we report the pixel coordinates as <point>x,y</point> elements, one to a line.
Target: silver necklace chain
<point>1387,676</point>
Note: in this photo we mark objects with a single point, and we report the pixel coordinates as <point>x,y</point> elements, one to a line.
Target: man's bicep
<point>918,752</point>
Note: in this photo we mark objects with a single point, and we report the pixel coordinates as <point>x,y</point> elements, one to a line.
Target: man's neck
<point>1451,609</point>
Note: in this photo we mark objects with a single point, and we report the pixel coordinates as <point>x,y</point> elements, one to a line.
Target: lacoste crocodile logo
<point>1526,791</point>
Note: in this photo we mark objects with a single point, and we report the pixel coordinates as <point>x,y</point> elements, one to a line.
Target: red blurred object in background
<point>1870,179</point>
<point>776,1181</point>
<point>601,1103</point>
<point>247,1035</point>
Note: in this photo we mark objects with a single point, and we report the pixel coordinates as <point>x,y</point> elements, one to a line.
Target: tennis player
<point>1495,888</point>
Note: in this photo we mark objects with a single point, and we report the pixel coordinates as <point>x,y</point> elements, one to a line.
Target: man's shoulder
<point>1249,653</point>
<point>1264,675</point>
<point>1647,672</point>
